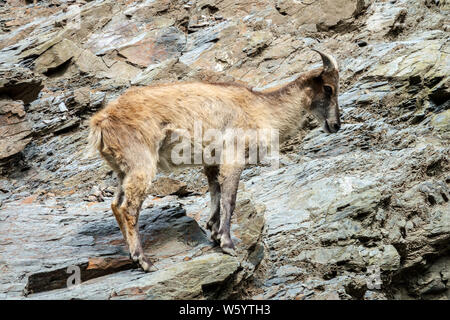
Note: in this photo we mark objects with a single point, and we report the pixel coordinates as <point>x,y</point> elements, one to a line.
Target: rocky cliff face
<point>361,214</point>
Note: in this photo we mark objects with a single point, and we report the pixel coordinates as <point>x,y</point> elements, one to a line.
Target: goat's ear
<point>318,79</point>
<point>329,63</point>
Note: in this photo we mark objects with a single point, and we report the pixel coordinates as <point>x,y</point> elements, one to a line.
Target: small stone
<point>361,44</point>
<point>62,107</point>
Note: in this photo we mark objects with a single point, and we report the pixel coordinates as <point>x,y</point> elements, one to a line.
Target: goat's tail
<point>95,138</point>
<point>94,141</point>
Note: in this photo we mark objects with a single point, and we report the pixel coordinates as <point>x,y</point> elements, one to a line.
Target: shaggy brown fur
<point>132,132</point>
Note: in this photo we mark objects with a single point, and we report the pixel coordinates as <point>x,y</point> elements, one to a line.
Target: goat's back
<point>153,115</point>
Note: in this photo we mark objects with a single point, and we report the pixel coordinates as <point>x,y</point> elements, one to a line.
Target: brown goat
<point>132,134</point>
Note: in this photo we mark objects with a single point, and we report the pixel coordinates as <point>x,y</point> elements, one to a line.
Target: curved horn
<point>329,63</point>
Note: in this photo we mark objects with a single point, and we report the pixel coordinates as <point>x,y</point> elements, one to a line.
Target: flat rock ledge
<point>82,238</point>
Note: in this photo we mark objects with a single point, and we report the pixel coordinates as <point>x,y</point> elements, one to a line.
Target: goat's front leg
<point>229,176</point>
<point>212,173</point>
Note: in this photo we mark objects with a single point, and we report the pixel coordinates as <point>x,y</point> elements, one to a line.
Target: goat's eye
<point>328,90</point>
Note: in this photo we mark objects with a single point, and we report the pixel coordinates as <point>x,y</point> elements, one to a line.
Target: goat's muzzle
<point>332,126</point>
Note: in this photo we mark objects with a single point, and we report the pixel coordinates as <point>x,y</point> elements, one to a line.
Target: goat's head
<point>325,84</point>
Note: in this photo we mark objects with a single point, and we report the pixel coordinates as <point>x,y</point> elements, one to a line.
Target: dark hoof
<point>143,263</point>
<point>146,265</point>
<point>227,246</point>
<point>210,224</point>
<point>229,251</point>
<point>215,237</point>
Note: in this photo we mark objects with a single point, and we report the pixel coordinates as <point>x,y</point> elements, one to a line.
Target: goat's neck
<point>288,107</point>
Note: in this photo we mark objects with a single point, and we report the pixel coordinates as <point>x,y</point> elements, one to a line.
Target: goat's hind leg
<point>135,185</point>
<point>135,177</point>
<point>212,173</point>
<point>116,203</point>
<point>119,194</point>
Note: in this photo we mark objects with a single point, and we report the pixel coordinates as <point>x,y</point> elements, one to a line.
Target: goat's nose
<point>336,126</point>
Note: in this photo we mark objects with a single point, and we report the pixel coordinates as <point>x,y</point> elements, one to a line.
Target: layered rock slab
<point>39,258</point>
